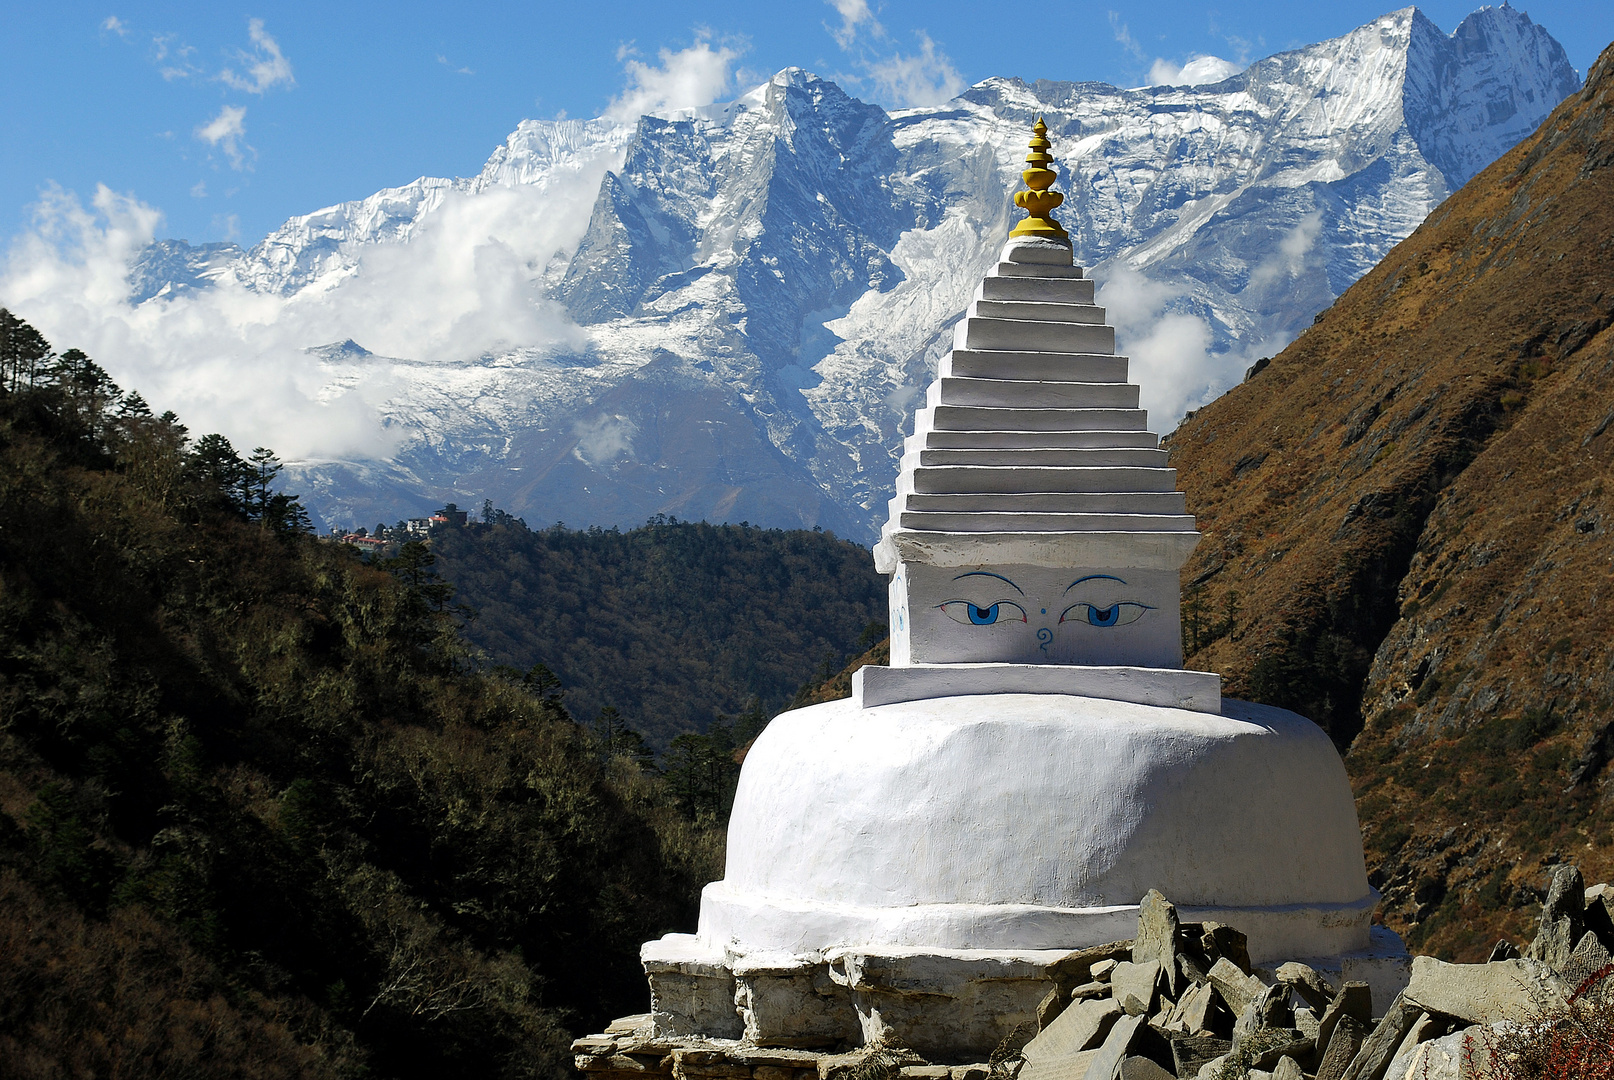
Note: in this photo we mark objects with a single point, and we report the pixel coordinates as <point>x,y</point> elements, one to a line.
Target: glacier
<point>763,287</point>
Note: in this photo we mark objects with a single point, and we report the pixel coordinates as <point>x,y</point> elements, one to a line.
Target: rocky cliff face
<point>1409,534</point>
<point>763,287</point>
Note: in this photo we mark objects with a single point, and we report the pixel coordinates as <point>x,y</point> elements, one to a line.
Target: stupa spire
<point>1039,202</point>
<point>1037,521</point>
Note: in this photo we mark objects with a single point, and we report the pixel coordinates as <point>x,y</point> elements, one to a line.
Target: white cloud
<point>468,283</point>
<point>895,80</point>
<point>1124,36</point>
<point>1164,73</point>
<point>1199,71</point>
<point>173,57</point>
<point>82,253</point>
<point>1290,258</point>
<point>114,25</point>
<point>602,440</point>
<point>687,79</point>
<point>199,190</point>
<point>228,131</point>
<point>1170,348</point>
<point>224,362</point>
<point>927,78</point>
<point>266,67</point>
<point>441,59</point>
<point>853,13</point>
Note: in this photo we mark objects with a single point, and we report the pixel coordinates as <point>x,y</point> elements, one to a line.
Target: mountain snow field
<point>730,312</point>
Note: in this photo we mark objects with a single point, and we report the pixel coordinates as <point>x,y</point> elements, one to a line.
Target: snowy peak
<point>1472,95</point>
<point>804,166</point>
<point>327,244</point>
<point>765,286</point>
<point>170,268</point>
<point>538,151</point>
<point>322,244</point>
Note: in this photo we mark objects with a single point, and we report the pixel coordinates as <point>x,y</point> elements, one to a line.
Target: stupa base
<point>946,1005</point>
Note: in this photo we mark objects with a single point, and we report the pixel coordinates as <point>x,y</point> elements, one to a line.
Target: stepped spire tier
<point>911,865</point>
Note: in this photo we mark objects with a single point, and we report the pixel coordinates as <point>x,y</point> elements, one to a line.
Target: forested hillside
<point>262,810</point>
<point>673,624</point>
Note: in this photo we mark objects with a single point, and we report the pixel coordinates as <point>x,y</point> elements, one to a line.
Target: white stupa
<point>1035,758</point>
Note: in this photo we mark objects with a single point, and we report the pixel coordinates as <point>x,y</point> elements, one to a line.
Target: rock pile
<point>1182,1000</point>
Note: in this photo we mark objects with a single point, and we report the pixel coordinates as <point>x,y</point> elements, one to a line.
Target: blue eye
<point>1117,614</point>
<point>972,614</point>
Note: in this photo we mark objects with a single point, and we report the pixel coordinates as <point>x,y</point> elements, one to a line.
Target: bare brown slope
<point>1405,515</point>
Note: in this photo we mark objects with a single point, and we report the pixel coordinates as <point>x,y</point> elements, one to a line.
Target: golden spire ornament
<point>1039,202</point>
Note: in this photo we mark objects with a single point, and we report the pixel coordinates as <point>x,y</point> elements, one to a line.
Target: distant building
<point>450,515</point>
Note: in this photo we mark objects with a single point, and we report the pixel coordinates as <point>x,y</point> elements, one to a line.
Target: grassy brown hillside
<point>1409,535</point>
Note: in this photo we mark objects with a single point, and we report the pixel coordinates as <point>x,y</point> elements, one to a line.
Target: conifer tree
<point>22,352</point>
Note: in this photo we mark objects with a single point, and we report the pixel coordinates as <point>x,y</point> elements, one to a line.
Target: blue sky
<point>227,119</point>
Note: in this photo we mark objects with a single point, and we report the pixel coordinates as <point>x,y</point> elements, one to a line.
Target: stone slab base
<point>629,1049</point>
<point>949,1006</point>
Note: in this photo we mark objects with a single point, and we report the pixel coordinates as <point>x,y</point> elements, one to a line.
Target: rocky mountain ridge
<point>764,286</point>
<point>1407,535</point>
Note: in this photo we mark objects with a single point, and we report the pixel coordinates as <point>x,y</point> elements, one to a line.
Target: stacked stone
<point>1182,1000</point>
<point>1031,425</point>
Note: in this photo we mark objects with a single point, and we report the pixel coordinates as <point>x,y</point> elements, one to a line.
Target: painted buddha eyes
<point>970,614</point>
<point>1117,614</point>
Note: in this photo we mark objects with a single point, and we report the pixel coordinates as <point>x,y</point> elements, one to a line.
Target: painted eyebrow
<point>1000,577</point>
<point>1089,577</point>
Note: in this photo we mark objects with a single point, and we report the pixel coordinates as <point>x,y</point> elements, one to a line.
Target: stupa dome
<point>1038,821</point>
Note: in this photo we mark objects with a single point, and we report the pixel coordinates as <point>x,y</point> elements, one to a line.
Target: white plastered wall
<point>1037,821</point>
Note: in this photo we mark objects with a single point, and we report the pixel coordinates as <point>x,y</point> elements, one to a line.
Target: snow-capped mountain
<point>764,287</point>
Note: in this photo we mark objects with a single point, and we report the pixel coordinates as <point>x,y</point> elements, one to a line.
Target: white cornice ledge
<point>1169,688</point>
<point>1133,550</point>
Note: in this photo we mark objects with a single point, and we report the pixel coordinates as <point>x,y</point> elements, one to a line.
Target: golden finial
<point>1039,202</point>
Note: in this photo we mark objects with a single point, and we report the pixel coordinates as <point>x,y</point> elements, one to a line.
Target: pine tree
<point>22,351</point>
<point>215,467</point>
<point>265,467</point>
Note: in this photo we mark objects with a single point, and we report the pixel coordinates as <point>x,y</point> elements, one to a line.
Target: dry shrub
<point>1575,1043</point>
<point>128,998</point>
